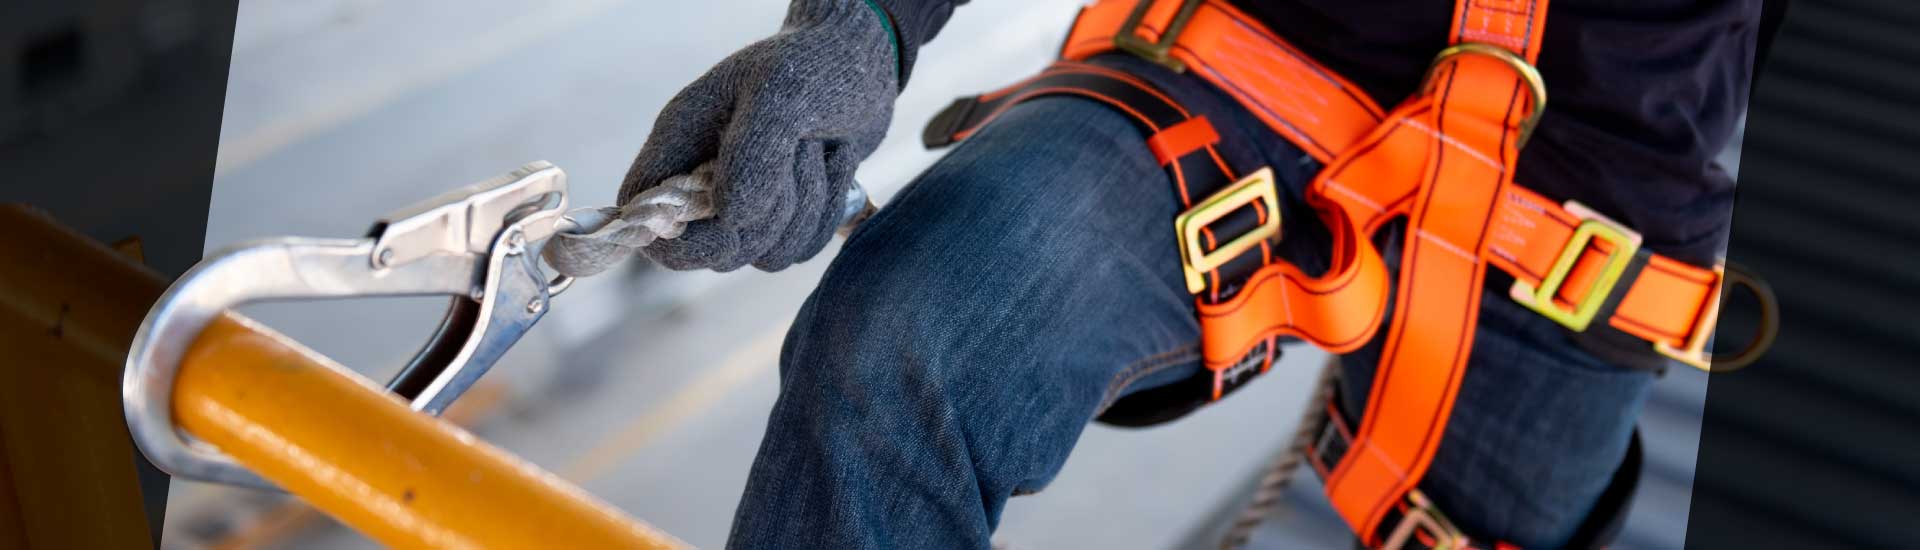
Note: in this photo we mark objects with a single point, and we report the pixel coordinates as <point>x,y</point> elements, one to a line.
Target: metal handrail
<point>212,395</point>
<point>360,454</point>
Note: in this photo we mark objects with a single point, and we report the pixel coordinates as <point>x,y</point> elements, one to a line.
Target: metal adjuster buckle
<point>1128,38</point>
<point>1195,260</point>
<point>1694,353</point>
<point>1422,516</point>
<point>1592,226</point>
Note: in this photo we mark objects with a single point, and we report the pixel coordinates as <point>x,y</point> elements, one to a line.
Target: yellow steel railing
<point>326,435</point>
<point>359,454</point>
<point>68,308</point>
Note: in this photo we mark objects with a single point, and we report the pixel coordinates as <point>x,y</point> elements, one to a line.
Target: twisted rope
<point>608,235</point>
<point>1266,495</point>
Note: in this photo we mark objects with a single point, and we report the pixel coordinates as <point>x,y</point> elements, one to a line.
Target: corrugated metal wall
<point>1826,214</point>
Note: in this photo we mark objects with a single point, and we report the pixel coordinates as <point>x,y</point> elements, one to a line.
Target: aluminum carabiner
<point>478,244</point>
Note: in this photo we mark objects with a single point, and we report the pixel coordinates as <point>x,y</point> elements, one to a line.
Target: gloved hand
<point>781,126</point>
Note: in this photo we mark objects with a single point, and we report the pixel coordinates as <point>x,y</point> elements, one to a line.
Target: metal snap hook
<point>469,244</point>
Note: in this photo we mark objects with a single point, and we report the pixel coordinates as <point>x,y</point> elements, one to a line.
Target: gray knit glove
<point>777,129</point>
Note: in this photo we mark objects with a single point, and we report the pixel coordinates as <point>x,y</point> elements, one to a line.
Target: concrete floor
<point>651,388</point>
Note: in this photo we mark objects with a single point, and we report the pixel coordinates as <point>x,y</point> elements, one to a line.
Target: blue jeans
<point>969,331</point>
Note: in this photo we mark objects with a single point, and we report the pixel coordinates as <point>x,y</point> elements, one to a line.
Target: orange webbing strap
<point>1668,303</point>
<point>1307,103</point>
<point>1665,302</point>
<point>1423,526</point>
<point>1443,160</point>
<point>1466,130</point>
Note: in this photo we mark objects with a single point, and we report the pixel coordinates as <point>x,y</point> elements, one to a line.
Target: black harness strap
<point>1198,171</point>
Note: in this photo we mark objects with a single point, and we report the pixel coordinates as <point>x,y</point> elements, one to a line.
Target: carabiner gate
<point>478,244</point>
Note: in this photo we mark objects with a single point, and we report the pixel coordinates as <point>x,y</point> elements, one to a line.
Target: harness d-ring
<point>1695,352</point>
<point>1535,84</point>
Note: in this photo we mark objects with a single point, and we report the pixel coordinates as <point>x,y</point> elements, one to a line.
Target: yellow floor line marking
<point>756,359</point>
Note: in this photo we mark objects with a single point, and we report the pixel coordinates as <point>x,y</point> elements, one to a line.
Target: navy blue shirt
<point>1642,96</point>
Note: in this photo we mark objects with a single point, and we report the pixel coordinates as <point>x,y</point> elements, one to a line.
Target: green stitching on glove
<point>892,35</point>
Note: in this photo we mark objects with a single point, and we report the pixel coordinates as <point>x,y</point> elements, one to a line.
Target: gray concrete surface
<point>651,388</point>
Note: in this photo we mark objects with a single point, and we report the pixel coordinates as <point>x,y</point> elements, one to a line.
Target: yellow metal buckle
<point>1196,260</point>
<point>1592,226</point>
<point>1422,516</point>
<point>1536,85</point>
<point>1128,38</point>
<point>1694,353</point>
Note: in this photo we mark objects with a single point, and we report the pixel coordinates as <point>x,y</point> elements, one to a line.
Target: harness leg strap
<point>1225,237</point>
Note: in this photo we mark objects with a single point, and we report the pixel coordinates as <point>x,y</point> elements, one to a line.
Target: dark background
<point>109,118</point>
<point>110,114</point>
<point>1818,444</point>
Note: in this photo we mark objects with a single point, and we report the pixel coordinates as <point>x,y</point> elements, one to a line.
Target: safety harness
<point>1443,160</point>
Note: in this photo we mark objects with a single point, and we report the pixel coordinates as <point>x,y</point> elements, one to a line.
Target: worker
<point>1027,282</point>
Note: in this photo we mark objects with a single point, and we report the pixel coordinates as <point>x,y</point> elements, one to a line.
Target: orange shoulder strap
<point>1458,141</point>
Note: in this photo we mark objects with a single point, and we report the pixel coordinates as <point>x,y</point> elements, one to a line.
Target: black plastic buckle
<point>940,131</point>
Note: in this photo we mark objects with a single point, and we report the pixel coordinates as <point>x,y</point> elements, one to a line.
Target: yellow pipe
<point>351,449</point>
<point>359,454</point>
<point>291,516</point>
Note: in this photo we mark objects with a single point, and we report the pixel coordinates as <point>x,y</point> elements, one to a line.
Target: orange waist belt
<point>1442,159</point>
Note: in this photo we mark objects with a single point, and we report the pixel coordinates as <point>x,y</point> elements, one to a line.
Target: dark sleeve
<point>1642,99</point>
<point>916,22</point>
